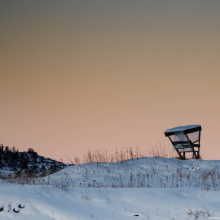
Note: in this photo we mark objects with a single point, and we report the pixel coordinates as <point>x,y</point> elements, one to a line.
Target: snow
<point>117,193</point>
<point>148,203</point>
<point>181,128</point>
<point>154,172</point>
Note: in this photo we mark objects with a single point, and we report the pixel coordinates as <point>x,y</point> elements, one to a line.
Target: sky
<point>106,74</point>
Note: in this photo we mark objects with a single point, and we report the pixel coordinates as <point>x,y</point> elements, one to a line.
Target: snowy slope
<point>146,188</point>
<point>46,203</point>
<point>141,173</point>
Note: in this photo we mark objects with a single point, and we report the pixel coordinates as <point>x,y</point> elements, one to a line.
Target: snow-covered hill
<point>146,188</point>
<point>153,172</point>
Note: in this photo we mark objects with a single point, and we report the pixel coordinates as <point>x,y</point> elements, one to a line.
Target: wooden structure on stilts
<point>185,139</point>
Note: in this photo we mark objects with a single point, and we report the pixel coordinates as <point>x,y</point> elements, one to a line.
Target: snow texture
<point>174,189</point>
<point>181,128</point>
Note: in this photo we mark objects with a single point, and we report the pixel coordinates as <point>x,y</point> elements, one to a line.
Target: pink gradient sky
<point>108,74</point>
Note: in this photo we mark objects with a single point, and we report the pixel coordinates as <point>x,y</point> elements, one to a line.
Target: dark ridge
<point>14,163</point>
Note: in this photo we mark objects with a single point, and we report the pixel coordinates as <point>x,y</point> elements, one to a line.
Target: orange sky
<point>108,74</point>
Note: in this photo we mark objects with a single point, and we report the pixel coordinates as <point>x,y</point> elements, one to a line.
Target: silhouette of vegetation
<point>16,164</point>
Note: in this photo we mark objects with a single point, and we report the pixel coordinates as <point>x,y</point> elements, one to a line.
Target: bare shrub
<point>199,212</point>
<point>22,179</point>
<point>122,155</point>
<point>161,151</point>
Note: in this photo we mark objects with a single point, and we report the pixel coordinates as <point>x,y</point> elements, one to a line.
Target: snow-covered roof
<point>182,128</point>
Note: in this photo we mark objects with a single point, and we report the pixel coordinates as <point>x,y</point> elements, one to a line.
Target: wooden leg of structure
<point>178,153</point>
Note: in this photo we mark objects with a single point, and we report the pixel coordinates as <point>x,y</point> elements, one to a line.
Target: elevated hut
<point>185,139</point>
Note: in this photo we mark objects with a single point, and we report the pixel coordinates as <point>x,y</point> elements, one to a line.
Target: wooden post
<point>176,148</point>
<point>199,144</point>
<point>194,153</point>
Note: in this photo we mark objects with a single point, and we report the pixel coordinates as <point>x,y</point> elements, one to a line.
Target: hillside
<point>145,188</point>
<point>147,172</point>
<point>15,164</point>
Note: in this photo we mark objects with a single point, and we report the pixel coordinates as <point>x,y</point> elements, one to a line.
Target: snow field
<point>145,188</point>
<point>46,203</point>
